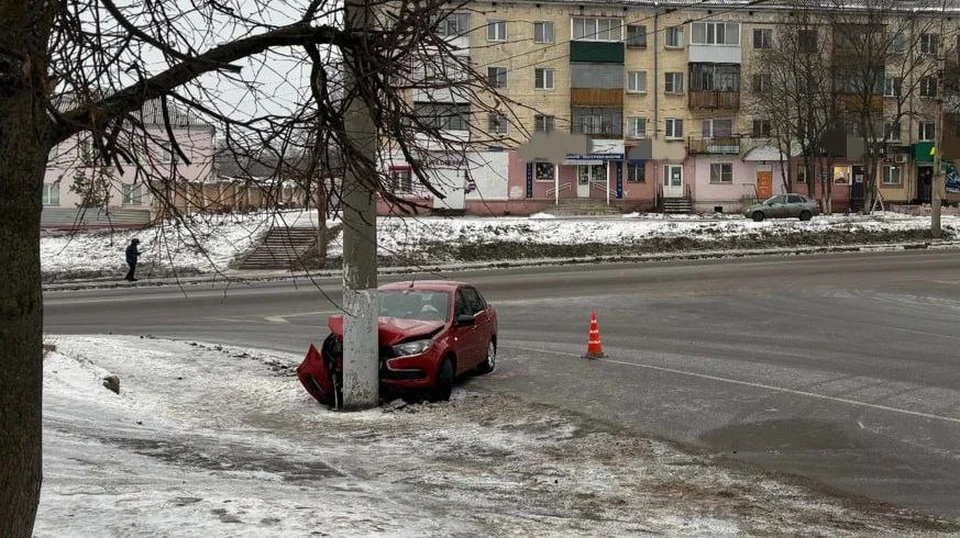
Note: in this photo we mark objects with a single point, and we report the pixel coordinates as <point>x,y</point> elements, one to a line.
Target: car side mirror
<point>464,320</point>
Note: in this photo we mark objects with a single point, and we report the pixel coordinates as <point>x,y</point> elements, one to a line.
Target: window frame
<point>544,25</point>
<point>50,197</point>
<point>891,127</point>
<point>670,128</point>
<point>670,79</point>
<point>494,78</point>
<point>894,85</point>
<point>759,133</point>
<point>673,34</point>
<point>928,87</point>
<point>766,38</point>
<point>632,178</point>
<point>712,31</point>
<point>633,121</point>
<point>632,39</point>
<point>537,165</point>
<point>922,133</point>
<point>494,30</point>
<point>540,76</point>
<point>885,178</point>
<point>634,78</point>
<point>546,120</point>
<point>711,122</point>
<point>596,32</point>
<point>131,194</point>
<point>401,180</point>
<point>497,123</point>
<point>760,83</point>
<point>928,43</point>
<point>807,39</point>
<point>725,173</point>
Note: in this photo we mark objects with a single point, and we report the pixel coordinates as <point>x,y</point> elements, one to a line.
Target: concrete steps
<point>677,205</point>
<point>282,248</point>
<point>572,207</point>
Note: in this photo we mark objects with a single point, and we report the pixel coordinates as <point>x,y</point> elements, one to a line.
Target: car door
<point>484,318</point>
<point>466,337</point>
<point>794,206</point>
<point>777,206</point>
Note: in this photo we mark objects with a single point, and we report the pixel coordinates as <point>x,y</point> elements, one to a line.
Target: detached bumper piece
<point>316,377</point>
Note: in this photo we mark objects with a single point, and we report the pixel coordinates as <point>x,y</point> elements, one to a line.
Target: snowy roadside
<point>209,246</point>
<point>211,441</point>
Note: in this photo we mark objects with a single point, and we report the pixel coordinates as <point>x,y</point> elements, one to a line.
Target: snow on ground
<point>210,441</point>
<point>210,244</point>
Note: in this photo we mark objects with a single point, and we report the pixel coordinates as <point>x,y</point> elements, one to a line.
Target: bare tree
<point>215,60</point>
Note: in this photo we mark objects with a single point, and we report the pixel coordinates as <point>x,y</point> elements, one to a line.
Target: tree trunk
<point>322,223</point>
<point>23,154</point>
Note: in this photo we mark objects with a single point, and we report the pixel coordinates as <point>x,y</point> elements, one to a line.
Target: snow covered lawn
<point>211,244</point>
<point>211,441</point>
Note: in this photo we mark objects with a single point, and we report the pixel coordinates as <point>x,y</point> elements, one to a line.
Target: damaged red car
<point>430,333</point>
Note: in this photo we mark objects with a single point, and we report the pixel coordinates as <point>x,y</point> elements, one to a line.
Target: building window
<point>891,175</point>
<point>447,117</point>
<point>714,77</point>
<point>497,123</point>
<point>929,43</point>
<point>715,33</point>
<point>543,78</point>
<point>762,38</point>
<point>898,43</point>
<point>719,128</point>
<point>673,83</point>
<point>807,40</point>
<point>543,123</point>
<point>761,83</point>
<point>673,128</point>
<point>497,31</point>
<point>761,129</point>
<point>636,173</point>
<point>721,172</point>
<point>497,77</point>
<point>891,131</point>
<point>673,37</point>
<point>928,87</point>
<point>927,131</point>
<point>637,81</point>
<point>637,127</point>
<point>544,171</point>
<point>543,32</point>
<point>132,194</point>
<point>401,179</point>
<point>454,24</point>
<point>596,121</point>
<point>51,194</point>
<point>637,37</point>
<point>892,86</point>
<point>597,29</point>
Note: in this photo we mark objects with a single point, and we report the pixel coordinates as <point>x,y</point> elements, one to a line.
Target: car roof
<point>426,285</point>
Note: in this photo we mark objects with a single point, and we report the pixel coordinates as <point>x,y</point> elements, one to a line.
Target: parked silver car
<point>783,206</point>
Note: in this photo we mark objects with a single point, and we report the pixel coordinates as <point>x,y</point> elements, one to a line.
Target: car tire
<point>490,362</point>
<point>757,216</point>
<point>805,215</point>
<point>443,385</point>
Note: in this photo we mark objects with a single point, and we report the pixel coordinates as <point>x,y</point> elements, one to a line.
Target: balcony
<point>714,100</point>
<point>721,145</point>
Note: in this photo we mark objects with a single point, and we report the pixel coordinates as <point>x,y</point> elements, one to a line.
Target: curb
<point>236,276</point>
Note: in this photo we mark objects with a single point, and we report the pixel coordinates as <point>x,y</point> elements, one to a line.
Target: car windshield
<point>415,304</point>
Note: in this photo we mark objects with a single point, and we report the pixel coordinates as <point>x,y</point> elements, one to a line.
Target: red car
<point>430,332</point>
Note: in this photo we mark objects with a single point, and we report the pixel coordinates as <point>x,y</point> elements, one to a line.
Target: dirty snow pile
<point>208,441</point>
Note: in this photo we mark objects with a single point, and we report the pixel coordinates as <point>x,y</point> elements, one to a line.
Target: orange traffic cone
<point>594,347</point>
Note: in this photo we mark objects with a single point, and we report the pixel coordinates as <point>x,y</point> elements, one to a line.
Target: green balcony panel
<point>596,51</point>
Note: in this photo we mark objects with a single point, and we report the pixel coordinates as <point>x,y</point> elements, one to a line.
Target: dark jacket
<point>132,253</point>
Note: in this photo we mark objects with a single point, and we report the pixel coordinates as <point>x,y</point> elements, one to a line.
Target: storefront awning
<point>922,152</point>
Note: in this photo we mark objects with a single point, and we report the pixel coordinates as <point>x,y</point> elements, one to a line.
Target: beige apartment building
<point>666,91</point>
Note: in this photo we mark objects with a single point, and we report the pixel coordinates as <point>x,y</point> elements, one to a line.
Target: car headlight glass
<point>412,348</point>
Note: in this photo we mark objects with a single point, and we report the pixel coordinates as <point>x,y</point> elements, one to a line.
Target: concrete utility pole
<point>939,182</point>
<point>361,382</point>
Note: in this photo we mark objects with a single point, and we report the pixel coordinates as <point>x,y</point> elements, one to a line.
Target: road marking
<point>282,318</point>
<point>773,388</point>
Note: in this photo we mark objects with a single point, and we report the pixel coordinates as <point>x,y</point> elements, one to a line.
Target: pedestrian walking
<point>133,254</point>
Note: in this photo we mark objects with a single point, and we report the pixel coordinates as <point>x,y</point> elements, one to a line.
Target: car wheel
<point>490,362</point>
<point>757,216</point>
<point>805,215</point>
<point>443,385</point>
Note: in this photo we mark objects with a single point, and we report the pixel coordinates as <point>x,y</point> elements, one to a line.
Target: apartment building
<point>667,94</point>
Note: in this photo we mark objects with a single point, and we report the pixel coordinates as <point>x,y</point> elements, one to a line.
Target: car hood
<point>392,331</point>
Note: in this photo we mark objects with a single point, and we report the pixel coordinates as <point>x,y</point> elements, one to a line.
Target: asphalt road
<point>842,369</point>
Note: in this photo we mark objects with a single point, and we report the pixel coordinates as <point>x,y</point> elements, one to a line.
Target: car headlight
<point>412,348</point>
